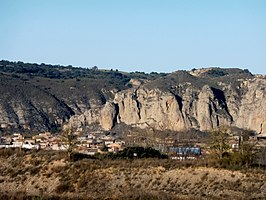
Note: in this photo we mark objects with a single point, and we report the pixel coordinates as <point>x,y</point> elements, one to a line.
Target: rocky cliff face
<point>240,104</point>
<point>24,107</point>
<point>201,99</point>
<point>164,110</point>
<point>252,110</point>
<point>150,108</point>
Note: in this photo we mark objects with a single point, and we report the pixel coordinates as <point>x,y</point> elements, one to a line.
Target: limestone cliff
<point>203,109</point>
<point>252,110</point>
<point>150,108</point>
<point>164,110</point>
<point>240,103</point>
<point>202,99</point>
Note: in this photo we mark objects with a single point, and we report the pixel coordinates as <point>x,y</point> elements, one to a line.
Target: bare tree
<point>219,142</point>
<point>247,148</point>
<point>69,140</point>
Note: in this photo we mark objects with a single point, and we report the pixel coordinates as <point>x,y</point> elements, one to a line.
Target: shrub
<point>138,152</point>
<point>5,153</point>
<point>34,170</point>
<point>79,156</point>
<point>65,186</point>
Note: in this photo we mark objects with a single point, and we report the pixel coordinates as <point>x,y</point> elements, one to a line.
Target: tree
<point>69,140</point>
<point>247,151</point>
<point>94,68</point>
<point>219,142</point>
<point>104,148</point>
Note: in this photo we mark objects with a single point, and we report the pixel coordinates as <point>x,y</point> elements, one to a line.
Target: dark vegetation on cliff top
<point>70,72</point>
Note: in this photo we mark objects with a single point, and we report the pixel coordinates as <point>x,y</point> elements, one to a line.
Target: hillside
<point>47,175</point>
<point>38,98</point>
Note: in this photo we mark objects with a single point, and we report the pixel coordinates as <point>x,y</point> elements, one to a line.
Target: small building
<point>196,151</point>
<point>17,136</point>
<point>114,147</point>
<point>17,143</point>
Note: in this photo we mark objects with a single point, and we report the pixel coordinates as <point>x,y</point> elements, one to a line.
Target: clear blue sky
<point>136,35</point>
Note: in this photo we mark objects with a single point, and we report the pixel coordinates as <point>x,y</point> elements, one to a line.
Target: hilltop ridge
<point>37,98</point>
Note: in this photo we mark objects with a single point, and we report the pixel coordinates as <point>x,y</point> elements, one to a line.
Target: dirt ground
<point>37,176</point>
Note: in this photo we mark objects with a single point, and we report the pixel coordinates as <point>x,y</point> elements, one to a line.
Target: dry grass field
<point>48,175</point>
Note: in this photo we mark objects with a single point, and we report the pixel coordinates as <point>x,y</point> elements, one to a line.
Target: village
<point>88,144</point>
<point>102,143</point>
<point>94,143</point>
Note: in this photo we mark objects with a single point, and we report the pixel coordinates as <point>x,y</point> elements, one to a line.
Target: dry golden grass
<point>47,175</point>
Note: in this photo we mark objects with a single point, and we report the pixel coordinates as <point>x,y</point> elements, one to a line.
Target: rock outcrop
<point>164,110</point>
<point>202,99</point>
<point>252,110</point>
<point>150,108</point>
<point>108,116</point>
